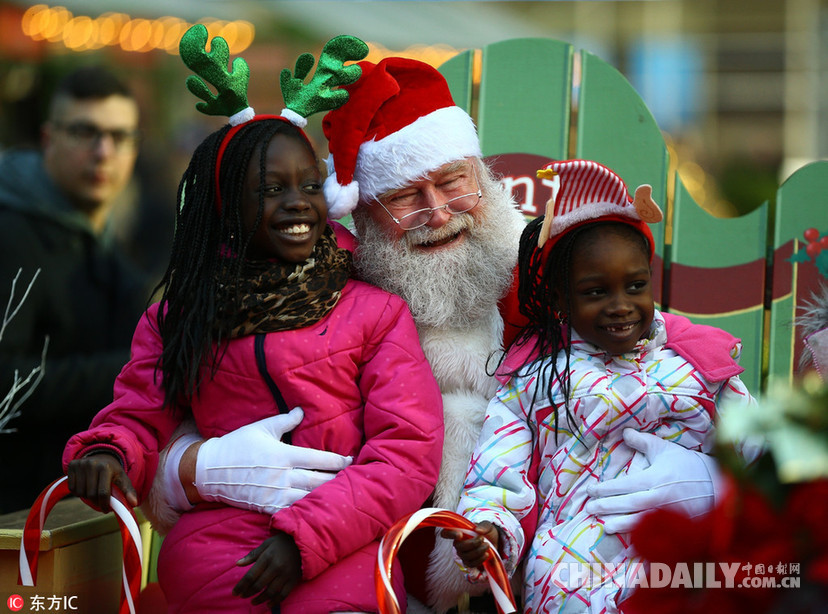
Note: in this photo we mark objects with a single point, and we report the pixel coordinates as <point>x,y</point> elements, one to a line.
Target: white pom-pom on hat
<point>341,199</point>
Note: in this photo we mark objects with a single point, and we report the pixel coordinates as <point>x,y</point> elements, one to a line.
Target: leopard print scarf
<point>279,296</point>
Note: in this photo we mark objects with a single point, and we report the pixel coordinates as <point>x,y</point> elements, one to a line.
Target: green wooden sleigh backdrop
<point>722,272</point>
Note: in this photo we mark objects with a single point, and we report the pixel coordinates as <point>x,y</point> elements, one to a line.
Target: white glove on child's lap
<point>677,478</point>
<point>251,468</point>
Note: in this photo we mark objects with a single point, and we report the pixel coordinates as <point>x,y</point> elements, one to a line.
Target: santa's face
<point>453,183</point>
<point>453,270</point>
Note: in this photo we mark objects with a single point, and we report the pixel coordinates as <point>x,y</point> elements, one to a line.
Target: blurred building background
<point>739,87</point>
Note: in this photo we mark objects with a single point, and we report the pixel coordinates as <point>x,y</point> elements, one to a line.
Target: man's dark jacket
<point>86,299</point>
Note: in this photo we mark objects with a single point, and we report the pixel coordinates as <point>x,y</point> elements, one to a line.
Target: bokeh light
<point>57,24</point>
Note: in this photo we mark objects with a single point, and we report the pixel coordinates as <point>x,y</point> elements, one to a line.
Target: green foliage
<point>793,424</point>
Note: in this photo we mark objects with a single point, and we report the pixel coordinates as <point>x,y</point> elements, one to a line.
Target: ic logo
<point>15,603</point>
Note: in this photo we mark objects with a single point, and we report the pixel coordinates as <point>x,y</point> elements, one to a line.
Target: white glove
<point>176,496</point>
<point>251,468</point>
<point>677,478</point>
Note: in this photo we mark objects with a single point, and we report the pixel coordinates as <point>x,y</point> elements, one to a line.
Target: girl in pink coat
<point>259,314</point>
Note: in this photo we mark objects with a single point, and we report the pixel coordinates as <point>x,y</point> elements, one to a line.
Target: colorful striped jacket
<point>529,474</point>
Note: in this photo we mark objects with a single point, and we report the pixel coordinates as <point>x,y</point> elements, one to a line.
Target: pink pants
<point>197,569</point>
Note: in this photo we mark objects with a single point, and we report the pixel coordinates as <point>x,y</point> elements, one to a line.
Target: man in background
<point>86,300</point>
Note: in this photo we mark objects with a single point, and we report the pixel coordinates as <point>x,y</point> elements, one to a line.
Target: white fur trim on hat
<point>592,211</point>
<point>341,199</point>
<point>442,136</point>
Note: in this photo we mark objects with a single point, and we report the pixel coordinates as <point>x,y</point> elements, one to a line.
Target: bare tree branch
<point>10,404</point>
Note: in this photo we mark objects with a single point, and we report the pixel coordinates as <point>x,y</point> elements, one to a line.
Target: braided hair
<point>208,251</point>
<point>545,298</point>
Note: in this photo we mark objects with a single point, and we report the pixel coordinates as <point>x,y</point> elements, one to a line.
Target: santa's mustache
<point>453,286</point>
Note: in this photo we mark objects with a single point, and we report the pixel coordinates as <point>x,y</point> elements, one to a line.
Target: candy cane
<point>130,538</point>
<point>444,519</point>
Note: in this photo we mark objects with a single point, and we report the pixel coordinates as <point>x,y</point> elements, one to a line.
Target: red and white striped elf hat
<point>584,192</point>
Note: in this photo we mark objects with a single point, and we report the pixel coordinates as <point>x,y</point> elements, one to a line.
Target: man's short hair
<point>89,83</point>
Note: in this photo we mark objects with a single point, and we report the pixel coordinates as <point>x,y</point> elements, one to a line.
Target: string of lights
<point>57,24</point>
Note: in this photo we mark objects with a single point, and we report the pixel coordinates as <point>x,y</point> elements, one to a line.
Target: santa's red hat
<point>399,124</point>
<point>585,192</point>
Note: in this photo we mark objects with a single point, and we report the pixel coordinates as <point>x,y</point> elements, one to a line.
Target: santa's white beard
<point>458,284</point>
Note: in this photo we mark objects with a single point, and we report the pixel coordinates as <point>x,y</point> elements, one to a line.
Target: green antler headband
<point>212,67</point>
<point>321,94</point>
<point>301,99</point>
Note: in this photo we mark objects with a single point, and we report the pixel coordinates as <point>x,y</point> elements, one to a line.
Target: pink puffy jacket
<point>366,390</point>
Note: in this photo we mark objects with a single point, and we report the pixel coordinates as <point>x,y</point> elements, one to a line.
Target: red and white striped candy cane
<point>130,538</point>
<point>443,519</point>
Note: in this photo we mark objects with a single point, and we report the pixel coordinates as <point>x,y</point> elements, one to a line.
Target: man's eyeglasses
<point>90,135</point>
<point>454,205</point>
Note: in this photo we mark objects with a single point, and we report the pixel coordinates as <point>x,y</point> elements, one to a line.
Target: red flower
<point>651,541</point>
<point>743,531</point>
<point>806,512</point>
<point>762,535</point>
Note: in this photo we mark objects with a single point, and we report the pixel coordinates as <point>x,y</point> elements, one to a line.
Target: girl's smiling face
<point>611,293</point>
<point>294,209</point>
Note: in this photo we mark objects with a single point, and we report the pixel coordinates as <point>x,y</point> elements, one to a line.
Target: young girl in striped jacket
<point>595,382</point>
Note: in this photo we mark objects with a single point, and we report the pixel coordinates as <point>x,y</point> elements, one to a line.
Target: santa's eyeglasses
<point>417,218</point>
